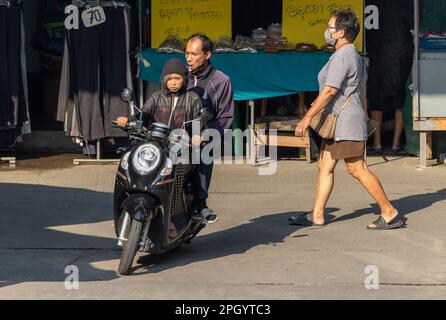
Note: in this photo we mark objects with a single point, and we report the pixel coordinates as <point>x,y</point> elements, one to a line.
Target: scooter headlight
<point>125,161</point>
<point>147,157</point>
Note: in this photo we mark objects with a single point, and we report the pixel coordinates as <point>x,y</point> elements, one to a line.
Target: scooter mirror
<point>127,95</point>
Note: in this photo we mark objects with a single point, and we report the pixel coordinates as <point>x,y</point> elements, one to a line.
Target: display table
<point>254,76</point>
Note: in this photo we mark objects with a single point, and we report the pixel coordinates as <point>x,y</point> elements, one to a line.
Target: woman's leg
<point>357,167</point>
<point>399,126</point>
<point>324,186</point>
<point>378,117</point>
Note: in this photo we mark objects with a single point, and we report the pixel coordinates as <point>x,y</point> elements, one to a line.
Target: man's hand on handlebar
<point>122,121</point>
<point>196,140</point>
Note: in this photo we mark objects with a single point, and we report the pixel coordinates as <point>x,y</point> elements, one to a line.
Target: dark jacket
<point>159,108</point>
<point>218,88</point>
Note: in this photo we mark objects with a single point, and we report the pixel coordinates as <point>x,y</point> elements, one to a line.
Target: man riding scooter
<point>216,91</point>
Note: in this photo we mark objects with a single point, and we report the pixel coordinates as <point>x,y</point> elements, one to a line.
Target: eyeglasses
<point>331,27</point>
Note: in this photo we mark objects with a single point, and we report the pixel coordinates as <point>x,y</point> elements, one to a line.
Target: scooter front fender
<point>139,206</point>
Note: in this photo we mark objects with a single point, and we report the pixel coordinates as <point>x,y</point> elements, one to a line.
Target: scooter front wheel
<point>130,247</point>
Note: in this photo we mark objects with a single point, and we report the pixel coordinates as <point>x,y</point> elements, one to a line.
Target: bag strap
<point>347,101</point>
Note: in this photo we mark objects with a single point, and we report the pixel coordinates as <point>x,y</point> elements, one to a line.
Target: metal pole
<point>416,84</point>
<point>364,39</point>
<point>252,135</point>
<point>140,83</point>
<point>98,149</point>
<point>416,64</point>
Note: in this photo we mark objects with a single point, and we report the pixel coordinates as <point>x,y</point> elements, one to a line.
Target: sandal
<point>378,150</point>
<point>381,224</point>
<point>302,220</point>
<point>398,151</point>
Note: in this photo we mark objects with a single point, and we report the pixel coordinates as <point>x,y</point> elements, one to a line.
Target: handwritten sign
<point>306,20</point>
<point>182,18</point>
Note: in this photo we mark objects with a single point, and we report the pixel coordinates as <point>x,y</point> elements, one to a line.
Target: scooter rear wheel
<point>130,247</point>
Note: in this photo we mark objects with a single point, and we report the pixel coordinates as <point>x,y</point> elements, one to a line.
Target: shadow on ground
<point>43,229</point>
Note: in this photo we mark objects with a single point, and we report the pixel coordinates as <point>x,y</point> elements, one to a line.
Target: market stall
<point>14,111</point>
<point>274,70</point>
<point>277,69</point>
<point>429,74</point>
<point>254,76</point>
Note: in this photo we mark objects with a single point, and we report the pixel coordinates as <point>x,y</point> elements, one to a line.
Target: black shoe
<point>397,151</point>
<point>372,150</point>
<point>209,215</point>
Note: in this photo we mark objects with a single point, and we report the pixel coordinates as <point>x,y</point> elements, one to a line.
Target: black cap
<point>174,65</point>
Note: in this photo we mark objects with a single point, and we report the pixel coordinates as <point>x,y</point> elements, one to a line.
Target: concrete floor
<point>54,215</point>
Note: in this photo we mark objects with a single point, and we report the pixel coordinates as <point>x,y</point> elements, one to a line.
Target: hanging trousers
<point>13,89</point>
<point>99,69</point>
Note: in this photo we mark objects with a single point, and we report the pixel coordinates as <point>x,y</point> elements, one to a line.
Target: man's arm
<point>225,110</point>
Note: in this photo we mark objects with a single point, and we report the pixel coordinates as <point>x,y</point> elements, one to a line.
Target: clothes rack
<point>98,159</point>
<point>80,3</point>
<point>10,3</point>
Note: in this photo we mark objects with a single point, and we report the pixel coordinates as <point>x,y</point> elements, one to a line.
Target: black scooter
<point>153,196</point>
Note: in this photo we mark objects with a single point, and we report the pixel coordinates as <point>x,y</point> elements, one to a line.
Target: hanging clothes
<point>390,50</point>
<point>97,68</point>
<point>14,111</point>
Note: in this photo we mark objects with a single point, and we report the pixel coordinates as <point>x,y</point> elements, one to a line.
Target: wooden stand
<point>285,127</point>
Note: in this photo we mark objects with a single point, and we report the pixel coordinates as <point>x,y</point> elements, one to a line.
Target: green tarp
<point>256,75</point>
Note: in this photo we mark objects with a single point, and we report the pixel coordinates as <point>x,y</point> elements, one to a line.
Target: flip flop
<point>302,220</point>
<point>398,151</point>
<point>381,224</point>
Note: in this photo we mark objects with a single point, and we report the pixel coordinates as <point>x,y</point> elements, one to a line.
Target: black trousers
<point>99,71</point>
<point>13,110</point>
<point>203,175</point>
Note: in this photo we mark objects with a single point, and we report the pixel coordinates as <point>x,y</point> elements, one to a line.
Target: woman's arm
<point>322,100</point>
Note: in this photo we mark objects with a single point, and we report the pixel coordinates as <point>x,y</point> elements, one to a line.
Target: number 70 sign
<point>90,17</point>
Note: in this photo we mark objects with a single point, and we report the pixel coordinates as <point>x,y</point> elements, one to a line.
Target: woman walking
<point>340,83</point>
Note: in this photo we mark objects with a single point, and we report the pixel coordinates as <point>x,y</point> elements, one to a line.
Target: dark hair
<point>206,43</point>
<point>346,20</point>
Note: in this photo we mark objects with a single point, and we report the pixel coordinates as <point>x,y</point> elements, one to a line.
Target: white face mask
<point>329,38</point>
